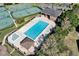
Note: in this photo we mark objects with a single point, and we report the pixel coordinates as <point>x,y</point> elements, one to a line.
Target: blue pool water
<point>36,29</point>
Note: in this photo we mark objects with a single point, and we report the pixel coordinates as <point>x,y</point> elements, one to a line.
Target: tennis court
<point>18,11</point>
<point>6,22</point>
<point>5,19</point>
<point>26,12</point>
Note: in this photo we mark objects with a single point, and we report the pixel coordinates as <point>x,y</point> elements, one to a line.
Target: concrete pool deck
<point>20,36</point>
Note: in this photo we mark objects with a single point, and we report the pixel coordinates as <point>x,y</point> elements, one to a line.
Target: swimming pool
<point>36,29</point>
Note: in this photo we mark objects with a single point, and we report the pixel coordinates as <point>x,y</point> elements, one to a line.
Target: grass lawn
<point>5,31</point>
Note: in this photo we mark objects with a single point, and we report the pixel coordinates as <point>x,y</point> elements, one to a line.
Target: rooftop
<point>27,43</point>
<point>52,12</point>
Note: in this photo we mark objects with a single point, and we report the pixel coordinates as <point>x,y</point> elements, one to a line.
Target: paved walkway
<point>12,51</point>
<point>3,42</point>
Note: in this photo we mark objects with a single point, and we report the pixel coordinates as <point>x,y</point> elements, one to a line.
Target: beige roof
<point>52,12</point>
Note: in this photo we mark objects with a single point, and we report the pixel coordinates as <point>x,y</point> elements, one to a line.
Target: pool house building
<point>31,35</point>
